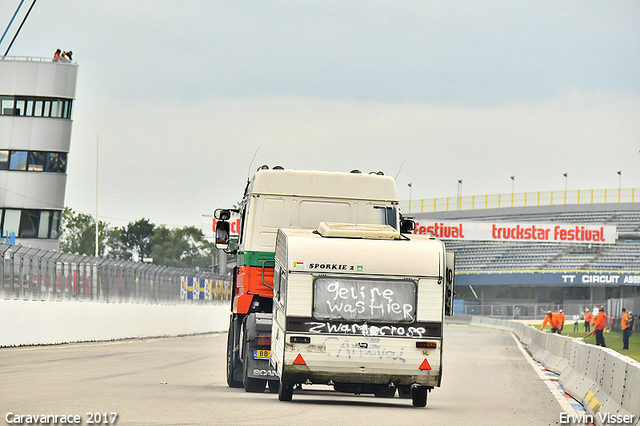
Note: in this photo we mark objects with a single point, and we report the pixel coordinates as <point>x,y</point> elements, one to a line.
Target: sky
<point>178,96</point>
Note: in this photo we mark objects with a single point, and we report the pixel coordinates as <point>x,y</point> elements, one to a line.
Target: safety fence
<point>33,274</point>
<point>521,199</point>
<point>509,310</point>
<point>604,381</point>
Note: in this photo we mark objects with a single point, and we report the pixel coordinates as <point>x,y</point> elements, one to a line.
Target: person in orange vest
<point>599,324</point>
<point>561,319</point>
<point>552,319</point>
<point>626,330</point>
<point>587,320</point>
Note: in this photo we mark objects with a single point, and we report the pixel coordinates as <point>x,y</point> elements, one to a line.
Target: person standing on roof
<point>562,319</point>
<point>587,321</point>
<point>553,320</point>
<point>57,56</point>
<point>626,330</point>
<point>599,324</point>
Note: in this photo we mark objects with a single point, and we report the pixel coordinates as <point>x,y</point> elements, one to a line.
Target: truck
<point>285,212</point>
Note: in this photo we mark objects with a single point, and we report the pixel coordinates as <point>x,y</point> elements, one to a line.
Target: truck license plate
<point>261,354</point>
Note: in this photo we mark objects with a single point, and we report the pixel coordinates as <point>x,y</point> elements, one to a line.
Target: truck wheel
<point>230,380</point>
<point>274,386</point>
<point>419,396</point>
<point>285,393</point>
<point>251,384</point>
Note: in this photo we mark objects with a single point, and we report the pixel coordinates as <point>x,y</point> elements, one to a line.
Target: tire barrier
<point>605,382</point>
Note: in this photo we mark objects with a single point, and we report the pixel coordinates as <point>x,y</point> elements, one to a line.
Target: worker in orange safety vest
<point>587,320</point>
<point>553,319</point>
<point>562,319</point>
<point>599,324</point>
<point>626,330</point>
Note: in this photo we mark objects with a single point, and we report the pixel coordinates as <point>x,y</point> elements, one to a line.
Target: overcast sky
<point>183,93</point>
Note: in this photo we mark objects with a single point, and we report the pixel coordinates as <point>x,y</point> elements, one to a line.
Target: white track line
<point>551,384</point>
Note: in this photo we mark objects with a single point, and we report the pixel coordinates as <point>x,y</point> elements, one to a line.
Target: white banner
<point>521,232</point>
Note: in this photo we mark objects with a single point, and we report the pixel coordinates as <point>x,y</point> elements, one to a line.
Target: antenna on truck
<point>249,171</point>
<point>396,178</point>
<point>254,157</point>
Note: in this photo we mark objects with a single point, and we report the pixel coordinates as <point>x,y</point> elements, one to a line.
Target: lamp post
<point>459,194</point>
<point>97,228</point>
<point>619,184</point>
<point>513,187</point>
<point>619,179</point>
<point>565,174</point>
<point>410,186</point>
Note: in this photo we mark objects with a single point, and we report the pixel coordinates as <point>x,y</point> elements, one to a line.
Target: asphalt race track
<point>181,381</point>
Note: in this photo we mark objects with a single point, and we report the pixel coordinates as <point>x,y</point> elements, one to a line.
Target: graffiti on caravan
<point>360,299</point>
<point>520,232</point>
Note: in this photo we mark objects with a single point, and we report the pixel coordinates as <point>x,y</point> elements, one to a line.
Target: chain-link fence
<point>509,310</point>
<point>537,311</point>
<point>33,274</point>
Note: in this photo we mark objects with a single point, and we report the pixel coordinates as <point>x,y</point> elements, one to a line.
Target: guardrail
<point>604,381</point>
<point>34,274</point>
<point>521,199</point>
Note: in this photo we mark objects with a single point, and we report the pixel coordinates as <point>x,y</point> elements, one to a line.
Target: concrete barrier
<point>38,323</point>
<point>459,319</point>
<point>605,382</point>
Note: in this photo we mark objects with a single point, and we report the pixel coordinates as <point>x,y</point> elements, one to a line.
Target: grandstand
<point>541,275</point>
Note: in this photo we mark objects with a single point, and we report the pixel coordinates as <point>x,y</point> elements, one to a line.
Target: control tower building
<point>36,104</point>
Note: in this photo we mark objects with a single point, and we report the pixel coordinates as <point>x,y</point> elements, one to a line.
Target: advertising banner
<point>209,226</point>
<point>520,232</point>
<point>564,278</point>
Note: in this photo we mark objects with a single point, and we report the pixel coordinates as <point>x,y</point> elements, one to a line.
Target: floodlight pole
<point>97,230</point>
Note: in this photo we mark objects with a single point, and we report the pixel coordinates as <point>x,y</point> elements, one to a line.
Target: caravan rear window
<point>337,298</point>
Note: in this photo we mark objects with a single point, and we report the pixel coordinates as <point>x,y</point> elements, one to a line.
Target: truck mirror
<point>406,226</point>
<point>222,214</point>
<point>222,234</point>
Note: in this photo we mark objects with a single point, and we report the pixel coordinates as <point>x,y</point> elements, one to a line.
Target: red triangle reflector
<point>424,366</point>
<point>300,361</point>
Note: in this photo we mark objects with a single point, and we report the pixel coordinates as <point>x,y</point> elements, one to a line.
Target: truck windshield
<point>364,299</point>
<point>384,215</point>
<point>312,212</point>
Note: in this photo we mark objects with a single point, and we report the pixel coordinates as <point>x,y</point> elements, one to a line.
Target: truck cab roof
<point>311,183</point>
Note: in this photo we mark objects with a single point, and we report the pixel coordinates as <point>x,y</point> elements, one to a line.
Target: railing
<point>34,274</point>
<point>522,199</point>
<point>34,59</point>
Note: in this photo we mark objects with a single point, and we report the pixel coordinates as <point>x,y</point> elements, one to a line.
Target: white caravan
<point>360,307</point>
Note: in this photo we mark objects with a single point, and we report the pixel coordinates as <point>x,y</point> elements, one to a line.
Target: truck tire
<point>419,396</point>
<point>230,364</point>
<point>285,391</point>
